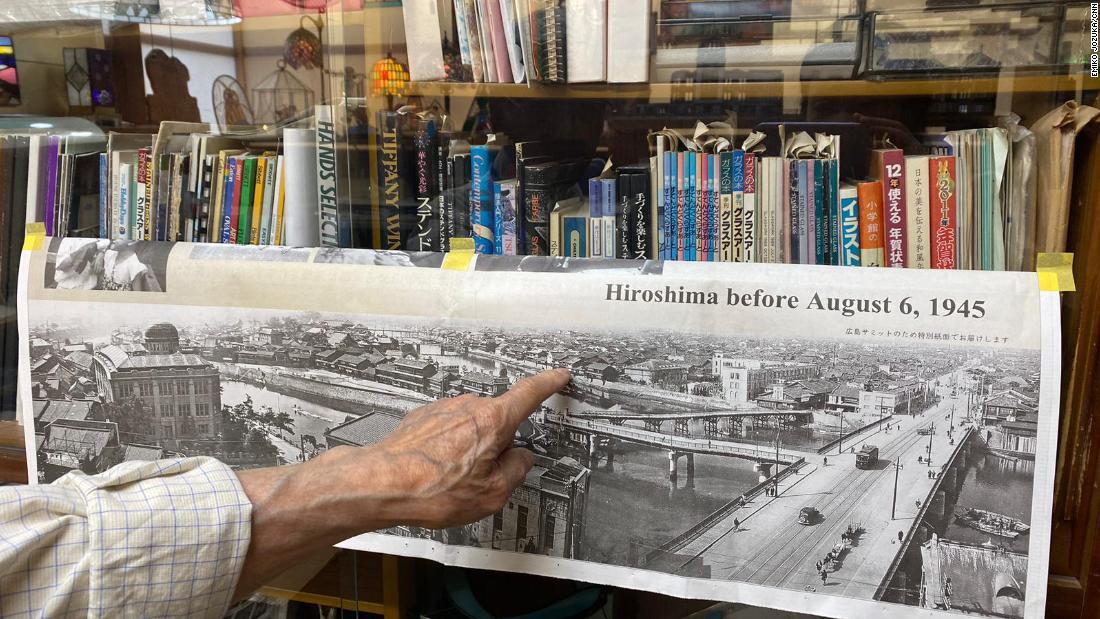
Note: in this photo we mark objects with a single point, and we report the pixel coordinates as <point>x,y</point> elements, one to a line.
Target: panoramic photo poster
<point>863,440</point>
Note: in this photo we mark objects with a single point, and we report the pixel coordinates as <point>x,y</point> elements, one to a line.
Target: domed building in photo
<point>181,392</point>
<point>162,339</point>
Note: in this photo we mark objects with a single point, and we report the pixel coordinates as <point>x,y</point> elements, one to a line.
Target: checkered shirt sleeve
<point>165,538</point>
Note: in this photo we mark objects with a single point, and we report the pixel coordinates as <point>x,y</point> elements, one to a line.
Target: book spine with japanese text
<point>750,220</point>
<point>850,252</point>
<point>595,216</point>
<point>871,229</point>
<point>444,199</point>
<point>610,189</point>
<point>917,205</point>
<point>623,242</point>
<point>137,232</point>
<point>680,171</point>
<point>888,166</point>
<point>737,201</point>
<point>725,207</point>
<point>641,223</point>
<point>942,216</point>
<point>424,153</point>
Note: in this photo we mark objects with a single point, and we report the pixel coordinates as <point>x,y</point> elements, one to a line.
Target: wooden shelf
<point>349,580</point>
<point>950,85</point>
<point>13,462</point>
<point>330,601</point>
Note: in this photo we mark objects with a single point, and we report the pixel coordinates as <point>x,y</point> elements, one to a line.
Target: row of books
<point>419,185</point>
<point>520,41</point>
<point>248,197</point>
<point>945,210</point>
<point>698,198</point>
<point>195,187</point>
<point>182,184</point>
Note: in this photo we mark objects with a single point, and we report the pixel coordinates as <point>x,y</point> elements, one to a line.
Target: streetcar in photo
<point>866,457</point>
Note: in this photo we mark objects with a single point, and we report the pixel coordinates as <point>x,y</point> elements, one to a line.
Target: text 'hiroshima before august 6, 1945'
<point>760,298</point>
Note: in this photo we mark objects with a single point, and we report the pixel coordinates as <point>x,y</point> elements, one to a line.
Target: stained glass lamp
<point>388,78</point>
<point>280,97</point>
<point>9,81</point>
<point>302,49</point>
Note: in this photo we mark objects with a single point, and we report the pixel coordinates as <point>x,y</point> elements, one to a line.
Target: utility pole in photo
<point>930,436</point>
<point>840,423</point>
<point>897,467</point>
<point>778,429</point>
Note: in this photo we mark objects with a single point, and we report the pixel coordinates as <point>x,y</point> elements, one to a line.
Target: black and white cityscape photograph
<point>869,468</point>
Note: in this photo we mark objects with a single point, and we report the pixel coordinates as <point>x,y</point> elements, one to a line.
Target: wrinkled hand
<point>453,461</point>
<point>446,464</point>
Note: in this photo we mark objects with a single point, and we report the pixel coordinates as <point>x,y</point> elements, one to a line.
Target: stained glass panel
<point>9,80</point>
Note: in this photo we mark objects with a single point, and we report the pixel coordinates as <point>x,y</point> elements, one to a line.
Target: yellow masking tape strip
<point>460,256</point>
<point>1056,272</point>
<point>1048,282</point>
<point>465,244</point>
<point>35,235</point>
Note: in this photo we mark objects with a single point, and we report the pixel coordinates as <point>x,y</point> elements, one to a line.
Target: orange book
<point>872,246</point>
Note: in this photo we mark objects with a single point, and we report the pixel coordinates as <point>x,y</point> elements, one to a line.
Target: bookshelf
<point>954,86</point>
<point>363,583</point>
<point>13,459</point>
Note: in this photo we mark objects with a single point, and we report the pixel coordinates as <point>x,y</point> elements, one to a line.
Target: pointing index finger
<point>528,393</point>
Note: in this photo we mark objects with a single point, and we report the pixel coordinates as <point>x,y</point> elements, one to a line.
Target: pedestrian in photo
<point>824,577</point>
<point>736,524</point>
<point>826,461</point>
<point>901,536</point>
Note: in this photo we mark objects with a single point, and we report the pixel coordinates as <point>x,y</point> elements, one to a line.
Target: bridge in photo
<point>623,415</point>
<point>895,506</point>
<point>678,446</point>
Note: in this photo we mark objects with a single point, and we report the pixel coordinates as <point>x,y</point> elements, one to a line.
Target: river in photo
<point>632,501</point>
<point>999,485</point>
<point>313,419</point>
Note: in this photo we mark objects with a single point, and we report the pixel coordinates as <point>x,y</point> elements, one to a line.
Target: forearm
<point>447,464</point>
<point>303,509</point>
